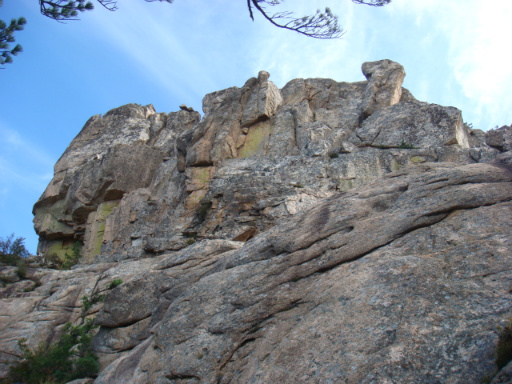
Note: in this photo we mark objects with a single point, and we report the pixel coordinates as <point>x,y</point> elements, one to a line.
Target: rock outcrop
<point>323,232</point>
<point>137,183</point>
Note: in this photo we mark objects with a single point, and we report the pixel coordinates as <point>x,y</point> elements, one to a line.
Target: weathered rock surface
<point>137,183</point>
<point>323,232</point>
<point>501,138</point>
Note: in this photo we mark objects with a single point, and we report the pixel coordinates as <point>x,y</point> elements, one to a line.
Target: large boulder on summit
<point>322,232</point>
<point>385,78</point>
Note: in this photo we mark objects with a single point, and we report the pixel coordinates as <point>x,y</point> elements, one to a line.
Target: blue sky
<point>454,52</point>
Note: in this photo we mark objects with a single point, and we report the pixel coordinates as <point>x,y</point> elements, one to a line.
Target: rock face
<point>323,232</point>
<point>139,183</point>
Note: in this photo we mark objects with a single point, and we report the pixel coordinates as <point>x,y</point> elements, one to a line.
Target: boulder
<point>501,138</point>
<point>384,88</point>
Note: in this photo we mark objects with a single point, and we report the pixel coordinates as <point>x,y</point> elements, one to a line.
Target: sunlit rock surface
<point>324,232</point>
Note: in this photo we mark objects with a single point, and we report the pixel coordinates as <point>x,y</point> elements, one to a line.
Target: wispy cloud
<point>22,163</point>
<point>477,34</point>
<point>183,55</point>
<point>12,142</point>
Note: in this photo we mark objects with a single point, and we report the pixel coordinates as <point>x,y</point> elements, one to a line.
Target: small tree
<point>68,359</point>
<point>12,250</point>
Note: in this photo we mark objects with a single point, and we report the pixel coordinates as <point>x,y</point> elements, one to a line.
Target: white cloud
<point>477,35</point>
<point>180,47</point>
<point>22,163</point>
<point>12,142</point>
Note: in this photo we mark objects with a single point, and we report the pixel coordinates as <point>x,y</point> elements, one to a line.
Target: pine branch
<point>321,25</point>
<point>65,10</point>
<point>7,37</point>
<point>373,3</point>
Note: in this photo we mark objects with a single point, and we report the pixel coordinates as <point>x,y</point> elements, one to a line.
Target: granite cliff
<point>325,232</point>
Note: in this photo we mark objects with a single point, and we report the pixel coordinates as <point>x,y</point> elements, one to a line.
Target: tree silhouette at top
<point>320,25</point>
<point>62,10</point>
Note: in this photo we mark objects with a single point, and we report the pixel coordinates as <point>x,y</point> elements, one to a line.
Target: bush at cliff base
<point>68,359</point>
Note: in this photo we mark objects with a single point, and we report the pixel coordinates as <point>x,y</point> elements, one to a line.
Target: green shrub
<point>9,259</point>
<point>333,155</point>
<point>114,283</point>
<point>68,359</point>
<point>88,302</point>
<point>405,145</point>
<point>12,250</point>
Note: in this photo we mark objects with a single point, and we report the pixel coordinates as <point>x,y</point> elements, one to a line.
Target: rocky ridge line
<point>135,182</point>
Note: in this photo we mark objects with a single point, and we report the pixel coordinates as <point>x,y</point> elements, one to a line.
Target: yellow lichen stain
<point>345,185</point>
<point>95,231</point>
<point>395,165</point>
<point>198,178</point>
<point>57,250</point>
<point>256,140</point>
<point>418,159</point>
<point>106,209</point>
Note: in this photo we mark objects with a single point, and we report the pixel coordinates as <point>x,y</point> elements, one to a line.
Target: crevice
<point>249,124</point>
<point>176,376</point>
<point>495,273</point>
<point>297,278</point>
<point>126,349</point>
<point>469,182</point>
<point>245,342</point>
<point>226,361</point>
<point>126,324</point>
<point>502,164</point>
<point>329,233</point>
<point>462,207</point>
<point>437,180</point>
